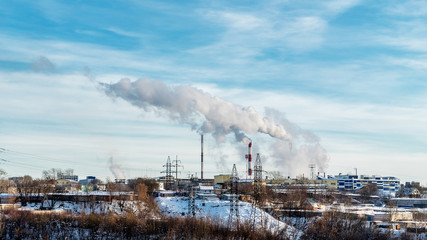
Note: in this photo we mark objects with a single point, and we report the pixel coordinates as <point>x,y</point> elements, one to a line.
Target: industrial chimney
<point>201,159</point>
<point>249,157</point>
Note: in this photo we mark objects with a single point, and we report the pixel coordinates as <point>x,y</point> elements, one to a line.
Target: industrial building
<point>68,177</point>
<point>409,202</point>
<point>387,186</point>
<point>329,184</point>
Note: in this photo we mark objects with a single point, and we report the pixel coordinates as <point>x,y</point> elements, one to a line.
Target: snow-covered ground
<point>219,210</point>
<point>117,207</point>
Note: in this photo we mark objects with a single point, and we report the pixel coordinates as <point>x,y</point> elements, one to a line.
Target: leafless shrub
<point>336,225</point>
<point>25,225</point>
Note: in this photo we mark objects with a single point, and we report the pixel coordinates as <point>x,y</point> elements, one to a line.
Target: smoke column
<point>304,148</point>
<point>115,169</point>
<point>200,110</point>
<point>293,149</point>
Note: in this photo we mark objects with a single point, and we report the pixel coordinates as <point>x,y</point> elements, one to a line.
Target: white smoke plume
<point>200,110</point>
<point>296,161</point>
<point>294,149</point>
<point>116,170</point>
<point>305,148</point>
<point>42,64</point>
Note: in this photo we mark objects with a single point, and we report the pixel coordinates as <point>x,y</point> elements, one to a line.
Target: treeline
<point>25,225</point>
<point>15,224</point>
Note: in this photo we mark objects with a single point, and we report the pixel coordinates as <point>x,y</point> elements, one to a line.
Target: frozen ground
<point>219,210</point>
<point>118,207</point>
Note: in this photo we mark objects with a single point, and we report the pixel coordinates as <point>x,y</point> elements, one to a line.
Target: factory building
<point>68,177</point>
<point>329,184</point>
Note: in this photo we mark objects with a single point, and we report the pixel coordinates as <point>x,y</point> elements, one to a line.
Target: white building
<point>205,189</point>
<point>386,185</point>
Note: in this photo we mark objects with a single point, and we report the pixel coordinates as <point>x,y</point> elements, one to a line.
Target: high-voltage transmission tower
<point>191,201</point>
<point>176,165</point>
<point>234,197</point>
<point>257,198</point>
<point>168,172</point>
<point>312,166</point>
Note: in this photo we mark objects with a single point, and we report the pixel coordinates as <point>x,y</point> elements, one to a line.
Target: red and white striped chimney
<point>250,159</point>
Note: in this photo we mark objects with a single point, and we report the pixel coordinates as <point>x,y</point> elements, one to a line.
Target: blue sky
<point>351,72</point>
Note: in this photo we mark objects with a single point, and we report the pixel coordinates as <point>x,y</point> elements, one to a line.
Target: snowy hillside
<point>101,207</point>
<point>219,210</point>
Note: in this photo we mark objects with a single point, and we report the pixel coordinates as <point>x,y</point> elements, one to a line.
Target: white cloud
<point>417,63</point>
<point>238,21</point>
<point>410,43</point>
<point>337,7</point>
<point>252,32</point>
<point>414,8</point>
<point>124,32</point>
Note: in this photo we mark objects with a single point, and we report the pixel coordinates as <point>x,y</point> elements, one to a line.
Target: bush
<point>336,225</point>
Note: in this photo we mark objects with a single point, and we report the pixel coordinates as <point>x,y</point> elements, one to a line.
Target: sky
<point>350,73</point>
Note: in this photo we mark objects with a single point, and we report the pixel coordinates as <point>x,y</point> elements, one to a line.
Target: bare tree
<point>26,188</point>
<point>151,184</point>
<point>276,176</point>
<point>2,173</point>
<point>69,172</point>
<point>4,183</point>
<point>44,188</point>
<point>336,225</point>
<point>367,191</point>
<point>52,173</point>
<point>94,184</point>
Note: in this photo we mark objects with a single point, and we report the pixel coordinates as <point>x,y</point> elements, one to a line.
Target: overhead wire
<point>16,163</point>
<point>20,163</point>
<point>45,158</point>
<point>25,164</point>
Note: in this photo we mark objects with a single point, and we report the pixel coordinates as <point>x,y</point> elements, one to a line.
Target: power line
<point>21,164</point>
<point>44,158</point>
<point>70,162</point>
<point>17,164</point>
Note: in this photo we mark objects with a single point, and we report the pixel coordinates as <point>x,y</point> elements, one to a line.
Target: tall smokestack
<point>250,159</point>
<point>201,158</point>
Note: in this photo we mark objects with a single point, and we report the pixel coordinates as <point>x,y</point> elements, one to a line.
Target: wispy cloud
<point>336,7</point>
<point>124,33</point>
<point>409,43</point>
<point>250,33</point>
<point>416,63</point>
<point>413,8</point>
